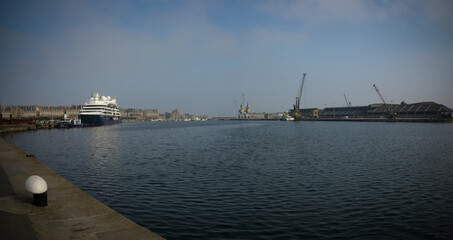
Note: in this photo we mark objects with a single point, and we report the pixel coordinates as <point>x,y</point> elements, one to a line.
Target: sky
<point>200,56</point>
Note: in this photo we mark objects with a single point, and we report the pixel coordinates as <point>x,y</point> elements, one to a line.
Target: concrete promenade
<point>70,214</point>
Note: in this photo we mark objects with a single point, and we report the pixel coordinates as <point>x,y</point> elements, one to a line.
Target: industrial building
<point>425,110</point>
<point>421,110</point>
<point>429,110</point>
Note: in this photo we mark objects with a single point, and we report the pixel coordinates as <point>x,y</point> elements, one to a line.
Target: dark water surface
<point>263,180</point>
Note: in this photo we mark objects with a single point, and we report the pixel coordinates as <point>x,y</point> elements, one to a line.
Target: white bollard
<point>38,186</point>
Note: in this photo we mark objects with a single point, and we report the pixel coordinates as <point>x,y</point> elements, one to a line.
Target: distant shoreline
<point>12,128</point>
<point>426,120</point>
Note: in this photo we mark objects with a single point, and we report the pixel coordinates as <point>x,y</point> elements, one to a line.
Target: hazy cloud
<point>357,11</point>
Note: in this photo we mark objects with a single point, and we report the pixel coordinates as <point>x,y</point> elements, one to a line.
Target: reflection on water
<point>263,180</point>
<point>103,147</point>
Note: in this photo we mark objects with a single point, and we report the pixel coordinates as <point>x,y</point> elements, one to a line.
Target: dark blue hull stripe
<point>96,120</point>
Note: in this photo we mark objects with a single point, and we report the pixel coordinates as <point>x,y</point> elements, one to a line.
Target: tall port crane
<point>247,109</point>
<point>240,109</point>
<point>349,104</point>
<point>243,109</point>
<point>296,111</point>
<point>390,113</point>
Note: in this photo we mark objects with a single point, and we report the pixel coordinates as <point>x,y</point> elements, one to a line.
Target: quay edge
<point>425,120</point>
<point>71,213</point>
<point>419,120</point>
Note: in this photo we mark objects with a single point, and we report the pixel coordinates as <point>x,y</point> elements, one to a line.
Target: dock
<point>71,213</point>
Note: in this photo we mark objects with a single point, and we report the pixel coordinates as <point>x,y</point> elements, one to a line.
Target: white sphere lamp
<point>38,186</point>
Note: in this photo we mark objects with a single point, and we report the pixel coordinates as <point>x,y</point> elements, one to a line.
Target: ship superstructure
<point>100,110</point>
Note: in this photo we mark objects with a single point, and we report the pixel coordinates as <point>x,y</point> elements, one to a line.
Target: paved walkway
<point>70,214</point>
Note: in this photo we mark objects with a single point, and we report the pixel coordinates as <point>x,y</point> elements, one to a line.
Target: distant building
<point>175,115</point>
<point>151,114</point>
<point>256,115</point>
<point>139,114</point>
<point>277,115</point>
<point>165,116</point>
<point>33,111</point>
<point>57,112</point>
<point>430,110</point>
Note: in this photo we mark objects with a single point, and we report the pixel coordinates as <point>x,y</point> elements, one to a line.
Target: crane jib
<point>391,114</point>
<point>300,91</point>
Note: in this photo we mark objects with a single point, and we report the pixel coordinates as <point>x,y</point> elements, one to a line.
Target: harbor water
<point>263,179</point>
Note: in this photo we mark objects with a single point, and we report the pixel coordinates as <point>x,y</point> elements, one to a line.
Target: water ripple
<point>263,180</point>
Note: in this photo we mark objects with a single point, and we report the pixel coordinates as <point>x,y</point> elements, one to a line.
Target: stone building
<point>134,113</point>
<point>257,115</point>
<point>175,115</point>
<point>18,112</point>
<point>151,114</point>
<point>33,111</point>
<point>139,114</point>
<point>59,111</point>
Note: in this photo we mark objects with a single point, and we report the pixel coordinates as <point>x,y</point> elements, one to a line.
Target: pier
<point>71,213</point>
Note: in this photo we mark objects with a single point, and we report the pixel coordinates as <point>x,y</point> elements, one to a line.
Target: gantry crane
<point>390,113</point>
<point>296,114</point>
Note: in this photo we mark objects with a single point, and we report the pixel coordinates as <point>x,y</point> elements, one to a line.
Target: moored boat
<point>100,110</point>
<point>286,117</point>
<point>69,123</point>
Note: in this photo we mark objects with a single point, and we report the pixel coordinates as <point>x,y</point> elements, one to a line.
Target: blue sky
<point>200,56</point>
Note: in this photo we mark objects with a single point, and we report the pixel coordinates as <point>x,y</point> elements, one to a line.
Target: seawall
<point>425,120</point>
<point>71,213</point>
<point>11,128</point>
<point>419,120</point>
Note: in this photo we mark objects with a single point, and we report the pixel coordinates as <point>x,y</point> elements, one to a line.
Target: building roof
<point>415,108</point>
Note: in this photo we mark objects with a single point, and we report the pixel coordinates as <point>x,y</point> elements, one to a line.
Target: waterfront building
<point>175,115</point>
<point>139,114</point>
<point>429,110</point>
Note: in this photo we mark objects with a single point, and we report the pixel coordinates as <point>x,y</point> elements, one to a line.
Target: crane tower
<point>349,104</point>
<point>390,113</point>
<point>243,109</point>
<point>295,113</point>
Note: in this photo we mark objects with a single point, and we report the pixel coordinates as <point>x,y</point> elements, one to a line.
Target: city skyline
<point>201,56</point>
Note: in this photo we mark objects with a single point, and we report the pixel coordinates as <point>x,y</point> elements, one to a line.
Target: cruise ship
<point>100,110</point>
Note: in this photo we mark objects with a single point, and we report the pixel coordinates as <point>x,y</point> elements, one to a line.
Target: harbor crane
<point>243,109</point>
<point>296,111</point>
<point>390,113</point>
<point>247,109</point>
<point>240,109</point>
<point>349,104</point>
